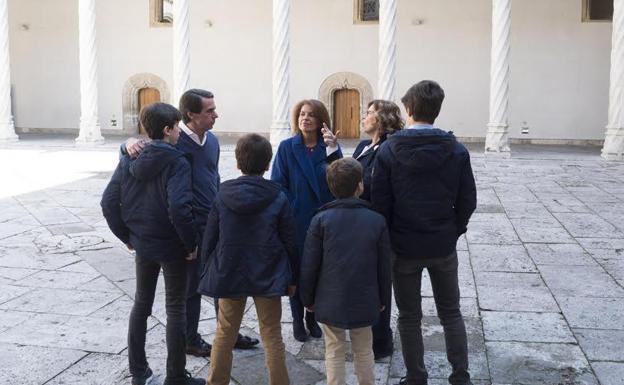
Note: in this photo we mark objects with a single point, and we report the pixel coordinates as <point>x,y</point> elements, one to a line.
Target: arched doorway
<point>347,113</point>
<point>147,96</point>
<point>132,101</point>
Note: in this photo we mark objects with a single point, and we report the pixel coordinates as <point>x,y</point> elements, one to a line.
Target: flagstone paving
<point>541,274</point>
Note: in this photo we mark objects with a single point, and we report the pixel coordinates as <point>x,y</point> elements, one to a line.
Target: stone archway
<point>345,80</point>
<point>130,98</point>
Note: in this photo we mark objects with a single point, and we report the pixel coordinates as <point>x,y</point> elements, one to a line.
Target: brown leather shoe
<point>201,350</point>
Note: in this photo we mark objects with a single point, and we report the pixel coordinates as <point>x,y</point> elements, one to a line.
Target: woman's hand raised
<point>330,139</point>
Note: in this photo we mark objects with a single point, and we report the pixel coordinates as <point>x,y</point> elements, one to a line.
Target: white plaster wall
<point>560,66</point>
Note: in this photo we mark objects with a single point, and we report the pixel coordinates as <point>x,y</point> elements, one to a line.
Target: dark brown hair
<point>253,154</point>
<point>191,101</point>
<point>343,177</point>
<point>388,116</point>
<point>423,101</point>
<point>155,117</point>
<point>318,109</point>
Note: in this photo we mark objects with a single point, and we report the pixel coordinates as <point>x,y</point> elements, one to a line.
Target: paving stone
<point>9,319</point>
<point>494,229</point>
<point>593,313</point>
<point>251,370</point>
<point>526,327</point>
<point>433,334</point>
<point>28,256</point>
<point>609,373</point>
<point>105,335</point>
<point>69,228</point>
<point>601,345</point>
<point>13,274</point>
<point>51,215</point>
<point>589,194</point>
<point>62,244</point>
<point>115,263</point>
<point>119,308</point>
<point>30,365</point>
<point>514,292</point>
<point>614,267</point>
<point>438,366</point>
<point>10,292</point>
<point>559,254</point>
<point>95,369</point>
<point>59,301</point>
<point>542,230</point>
<point>57,279</point>
<point>562,203</point>
<point>100,284</point>
<point>538,363</point>
<point>616,244</point>
<point>580,281</point>
<point>587,225</point>
<point>526,211</point>
<point>508,258</point>
<point>468,306</point>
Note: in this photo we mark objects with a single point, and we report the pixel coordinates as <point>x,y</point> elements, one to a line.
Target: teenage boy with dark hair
<point>423,184</point>
<point>201,146</point>
<point>345,272</point>
<point>249,249</point>
<point>148,206</point>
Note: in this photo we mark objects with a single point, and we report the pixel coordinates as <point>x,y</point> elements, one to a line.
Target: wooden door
<point>347,113</point>
<point>147,96</point>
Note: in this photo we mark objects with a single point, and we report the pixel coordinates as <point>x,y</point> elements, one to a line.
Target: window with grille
<point>366,11</point>
<point>161,13</point>
<point>597,10</point>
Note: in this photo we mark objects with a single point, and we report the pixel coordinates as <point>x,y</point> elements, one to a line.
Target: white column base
<point>7,133</point>
<point>496,141</point>
<point>613,148</point>
<point>89,135</point>
<point>279,132</point>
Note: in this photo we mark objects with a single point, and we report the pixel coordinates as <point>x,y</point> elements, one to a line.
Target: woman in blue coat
<point>299,167</point>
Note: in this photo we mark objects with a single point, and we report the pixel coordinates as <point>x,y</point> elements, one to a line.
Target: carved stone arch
<point>130,98</point>
<point>342,80</point>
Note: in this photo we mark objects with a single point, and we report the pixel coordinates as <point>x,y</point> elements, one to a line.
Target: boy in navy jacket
<point>345,272</point>
<point>148,206</point>
<point>249,248</point>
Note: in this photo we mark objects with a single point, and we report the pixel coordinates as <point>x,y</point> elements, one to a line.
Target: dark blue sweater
<point>205,171</point>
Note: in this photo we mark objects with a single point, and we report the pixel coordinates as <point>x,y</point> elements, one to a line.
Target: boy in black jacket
<point>250,250</point>
<point>345,272</point>
<point>147,205</point>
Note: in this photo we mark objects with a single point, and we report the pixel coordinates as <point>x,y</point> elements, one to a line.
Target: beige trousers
<point>363,358</point>
<point>230,316</point>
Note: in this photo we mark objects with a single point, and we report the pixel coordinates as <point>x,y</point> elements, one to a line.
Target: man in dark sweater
<point>423,184</point>
<point>201,146</point>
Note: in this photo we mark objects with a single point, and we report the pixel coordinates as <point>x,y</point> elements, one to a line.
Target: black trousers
<point>407,275</point>
<point>193,302</point>
<point>175,302</point>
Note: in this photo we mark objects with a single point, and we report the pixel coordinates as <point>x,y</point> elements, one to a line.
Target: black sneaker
<point>245,342</point>
<point>142,379</point>
<point>192,380</point>
<point>405,381</point>
<point>201,350</point>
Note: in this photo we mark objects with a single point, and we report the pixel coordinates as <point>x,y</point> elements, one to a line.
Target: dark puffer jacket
<point>423,184</point>
<point>345,268</point>
<point>249,247</point>
<point>148,203</point>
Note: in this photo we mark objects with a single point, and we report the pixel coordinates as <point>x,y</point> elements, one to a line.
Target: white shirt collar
<point>191,134</point>
<point>420,127</point>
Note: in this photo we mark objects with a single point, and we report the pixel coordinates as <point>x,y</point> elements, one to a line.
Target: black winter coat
<point>423,184</point>
<point>345,269</point>
<point>367,160</point>
<point>148,203</point>
<point>249,246</point>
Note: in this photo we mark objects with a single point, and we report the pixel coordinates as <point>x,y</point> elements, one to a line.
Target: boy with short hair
<point>147,205</point>
<point>251,230</point>
<point>345,272</point>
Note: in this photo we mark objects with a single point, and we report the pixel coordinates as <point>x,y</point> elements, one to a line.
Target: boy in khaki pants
<point>249,250</point>
<point>345,272</point>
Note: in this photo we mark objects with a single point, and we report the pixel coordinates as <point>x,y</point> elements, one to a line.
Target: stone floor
<point>541,274</point>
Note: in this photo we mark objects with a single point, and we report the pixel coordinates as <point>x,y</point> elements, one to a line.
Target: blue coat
<point>249,244</point>
<point>148,203</point>
<point>422,183</point>
<point>302,177</point>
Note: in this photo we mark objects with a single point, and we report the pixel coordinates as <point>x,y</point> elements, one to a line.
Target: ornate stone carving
<point>614,138</point>
<point>181,49</point>
<point>280,126</point>
<point>497,135</point>
<point>342,80</point>
<point>130,98</point>
<point>89,123</point>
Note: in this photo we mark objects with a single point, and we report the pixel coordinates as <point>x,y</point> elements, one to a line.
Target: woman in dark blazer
<point>382,118</point>
<point>299,167</point>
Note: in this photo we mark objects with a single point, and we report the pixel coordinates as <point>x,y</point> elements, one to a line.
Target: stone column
<point>7,128</point>
<point>89,124</point>
<point>387,50</point>
<point>614,139</point>
<point>280,126</point>
<point>496,140</point>
<point>181,49</point>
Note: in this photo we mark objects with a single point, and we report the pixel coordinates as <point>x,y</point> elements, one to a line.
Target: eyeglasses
<point>369,113</point>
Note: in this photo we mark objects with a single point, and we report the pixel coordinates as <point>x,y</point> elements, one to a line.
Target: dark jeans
<point>175,298</point>
<point>193,301</point>
<point>407,275</point>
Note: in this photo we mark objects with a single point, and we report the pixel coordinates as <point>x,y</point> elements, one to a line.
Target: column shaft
<point>387,49</point>
<point>280,126</point>
<point>181,49</point>
<point>496,140</point>
<point>614,138</point>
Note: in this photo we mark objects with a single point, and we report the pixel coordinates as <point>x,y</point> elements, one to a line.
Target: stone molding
<point>130,98</point>
<point>345,80</point>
